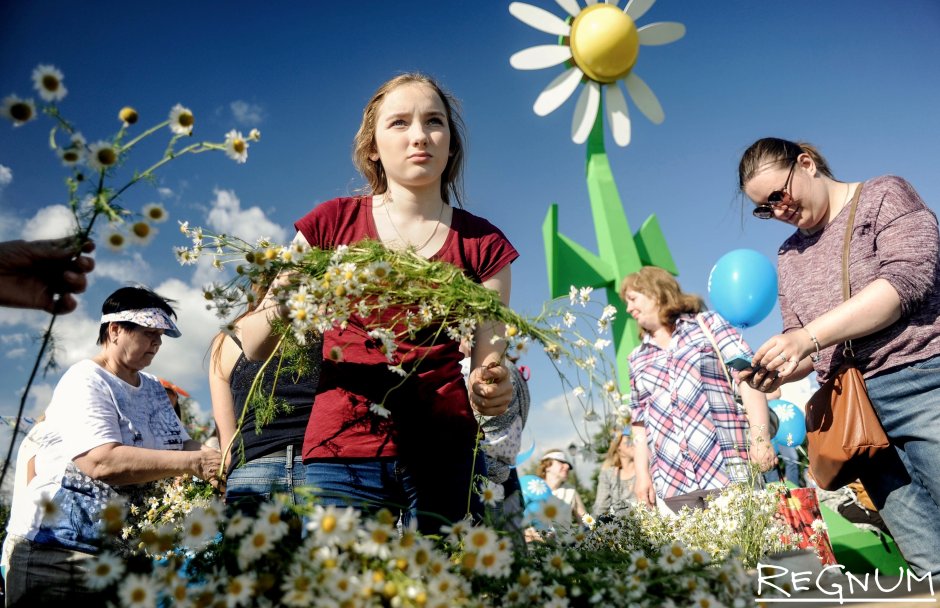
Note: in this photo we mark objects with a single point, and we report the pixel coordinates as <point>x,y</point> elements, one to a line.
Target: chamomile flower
<point>155,212</point>
<point>298,588</point>
<point>237,525</point>
<point>47,80</point>
<point>105,569</point>
<point>102,155</point>
<point>71,155</point>
<point>20,111</point>
<point>181,120</point>
<point>236,146</point>
<point>254,135</point>
<point>199,528</point>
<point>239,589</point>
<point>142,232</point>
<point>253,546</point>
<point>492,493</point>
<point>137,590</point>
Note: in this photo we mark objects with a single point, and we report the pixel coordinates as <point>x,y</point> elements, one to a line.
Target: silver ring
<point>783,358</point>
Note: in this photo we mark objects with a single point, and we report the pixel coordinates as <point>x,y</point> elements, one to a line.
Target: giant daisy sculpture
<point>600,45</point>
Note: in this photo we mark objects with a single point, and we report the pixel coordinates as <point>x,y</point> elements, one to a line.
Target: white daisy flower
<point>102,155</point>
<point>138,590</point>
<point>47,80</point>
<point>71,155</point>
<point>239,589</point>
<point>297,588</point>
<point>199,528</point>
<point>142,232</point>
<point>578,391</point>
<point>601,45</point>
<point>114,238</point>
<point>237,525</point>
<point>20,111</point>
<point>254,135</point>
<point>555,563</point>
<point>181,120</point>
<point>584,295</point>
<point>253,546</point>
<point>236,146</point>
<point>155,212</point>
<point>492,493</point>
<point>105,569</point>
<point>480,539</point>
<point>601,344</point>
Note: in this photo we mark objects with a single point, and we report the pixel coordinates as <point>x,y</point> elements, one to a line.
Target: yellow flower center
<point>604,42</point>
<point>185,120</point>
<point>21,112</point>
<point>141,229</point>
<point>156,213</point>
<point>138,595</point>
<point>70,156</point>
<point>328,523</point>
<point>103,569</point>
<point>50,82</point>
<point>106,156</point>
<point>128,115</point>
<point>259,540</point>
<point>238,145</point>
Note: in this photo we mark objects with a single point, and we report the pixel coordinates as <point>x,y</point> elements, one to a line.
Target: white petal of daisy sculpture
<point>599,45</point>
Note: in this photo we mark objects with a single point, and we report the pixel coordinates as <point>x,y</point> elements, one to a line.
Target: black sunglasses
<point>765,211</point>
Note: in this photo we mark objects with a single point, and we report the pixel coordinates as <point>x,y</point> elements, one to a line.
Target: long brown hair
<point>777,152</point>
<point>364,143</point>
<point>612,457</point>
<point>663,289</point>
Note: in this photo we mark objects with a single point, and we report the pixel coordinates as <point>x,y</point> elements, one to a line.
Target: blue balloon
<point>523,456</point>
<point>742,287</point>
<point>792,429</point>
<point>534,489</point>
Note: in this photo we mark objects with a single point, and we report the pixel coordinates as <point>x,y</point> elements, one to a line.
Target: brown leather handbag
<point>842,427</point>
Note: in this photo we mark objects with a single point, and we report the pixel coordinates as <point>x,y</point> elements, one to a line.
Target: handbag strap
<point>846,246</point>
<point>711,339</point>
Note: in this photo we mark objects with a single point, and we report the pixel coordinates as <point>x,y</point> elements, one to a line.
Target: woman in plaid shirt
<point>692,437</point>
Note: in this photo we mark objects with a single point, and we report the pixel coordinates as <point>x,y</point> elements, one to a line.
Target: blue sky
<point>854,77</point>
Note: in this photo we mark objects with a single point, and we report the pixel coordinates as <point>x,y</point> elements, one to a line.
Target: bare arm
<point>116,464</point>
<point>223,405</point>
<point>643,486</point>
<point>488,383</point>
<point>578,507</point>
<point>758,418</point>
<point>872,309</point>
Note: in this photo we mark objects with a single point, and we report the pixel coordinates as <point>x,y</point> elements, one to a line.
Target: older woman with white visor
<point>109,427</point>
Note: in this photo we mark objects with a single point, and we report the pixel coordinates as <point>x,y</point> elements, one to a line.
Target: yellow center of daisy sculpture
<point>604,43</point>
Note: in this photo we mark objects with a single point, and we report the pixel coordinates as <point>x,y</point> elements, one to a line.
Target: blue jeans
<point>368,485</point>
<point>905,483</point>
<point>257,480</point>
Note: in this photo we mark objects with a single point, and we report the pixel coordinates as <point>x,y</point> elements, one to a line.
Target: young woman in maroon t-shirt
<point>410,149</point>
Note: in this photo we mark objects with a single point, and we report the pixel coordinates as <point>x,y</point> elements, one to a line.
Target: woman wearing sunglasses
<point>892,317</point>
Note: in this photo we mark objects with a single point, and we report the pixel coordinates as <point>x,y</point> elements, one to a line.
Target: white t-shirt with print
<point>91,407</point>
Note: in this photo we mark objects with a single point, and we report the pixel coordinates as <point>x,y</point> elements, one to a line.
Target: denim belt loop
<point>289,460</point>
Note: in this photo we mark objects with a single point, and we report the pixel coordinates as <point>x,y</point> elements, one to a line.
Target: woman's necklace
<point>403,239</point>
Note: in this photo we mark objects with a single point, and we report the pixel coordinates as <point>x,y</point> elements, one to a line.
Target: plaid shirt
<point>696,432</point>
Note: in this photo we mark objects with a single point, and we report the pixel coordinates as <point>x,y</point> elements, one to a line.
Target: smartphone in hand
<point>739,363</point>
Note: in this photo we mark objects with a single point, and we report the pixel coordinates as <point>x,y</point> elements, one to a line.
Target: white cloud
<point>122,270</point>
<point>226,216</point>
<point>6,176</point>
<point>165,192</point>
<point>49,223</point>
<point>247,114</point>
<point>15,353</point>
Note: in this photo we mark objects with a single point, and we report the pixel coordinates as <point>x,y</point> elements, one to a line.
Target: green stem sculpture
<point>618,254</point>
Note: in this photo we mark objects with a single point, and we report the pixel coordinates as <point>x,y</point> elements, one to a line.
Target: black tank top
<point>286,428</point>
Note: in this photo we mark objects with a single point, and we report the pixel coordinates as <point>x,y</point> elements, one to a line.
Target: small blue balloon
<point>742,287</point>
<point>523,456</point>
<point>534,489</point>
<point>792,429</point>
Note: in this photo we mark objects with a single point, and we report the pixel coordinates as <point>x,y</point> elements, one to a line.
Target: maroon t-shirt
<point>434,398</point>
